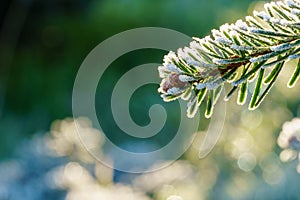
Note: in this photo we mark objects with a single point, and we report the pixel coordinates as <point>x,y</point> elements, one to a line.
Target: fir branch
<point>267,39</point>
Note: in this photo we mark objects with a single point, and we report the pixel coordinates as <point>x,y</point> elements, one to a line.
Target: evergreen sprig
<point>254,49</point>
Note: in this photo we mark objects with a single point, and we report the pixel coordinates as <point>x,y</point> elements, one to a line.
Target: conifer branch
<point>236,54</point>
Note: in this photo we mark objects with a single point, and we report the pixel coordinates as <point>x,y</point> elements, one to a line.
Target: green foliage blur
<point>44,43</point>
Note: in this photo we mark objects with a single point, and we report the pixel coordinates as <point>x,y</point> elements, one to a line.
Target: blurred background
<point>42,45</point>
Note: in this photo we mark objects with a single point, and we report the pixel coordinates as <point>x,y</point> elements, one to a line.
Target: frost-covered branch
<point>236,53</point>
